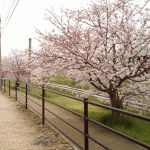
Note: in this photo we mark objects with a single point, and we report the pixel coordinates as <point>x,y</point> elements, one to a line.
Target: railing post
<point>43,104</point>
<point>9,87</point>
<point>4,85</point>
<point>26,94</point>
<point>86,141</point>
<point>16,91</point>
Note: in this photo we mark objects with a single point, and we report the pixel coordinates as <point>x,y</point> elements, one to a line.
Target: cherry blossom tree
<point>40,68</point>
<point>4,67</point>
<point>5,70</point>
<point>105,46</point>
<point>40,76</point>
<point>17,66</point>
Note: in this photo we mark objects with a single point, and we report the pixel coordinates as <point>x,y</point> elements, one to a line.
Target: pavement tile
<point>18,131</point>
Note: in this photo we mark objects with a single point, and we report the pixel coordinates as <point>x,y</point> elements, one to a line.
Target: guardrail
<point>140,106</point>
<point>86,102</point>
<point>73,90</point>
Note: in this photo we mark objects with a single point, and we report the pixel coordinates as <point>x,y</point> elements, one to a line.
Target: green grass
<point>63,80</point>
<point>131,126</point>
<point>59,79</point>
<point>134,127</point>
<point>125,84</point>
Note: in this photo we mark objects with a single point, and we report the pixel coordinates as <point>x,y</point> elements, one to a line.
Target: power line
<point>9,9</point>
<point>10,17</point>
<point>2,7</point>
<point>8,12</point>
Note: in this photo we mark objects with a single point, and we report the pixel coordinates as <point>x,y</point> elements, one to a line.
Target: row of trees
<point>15,66</point>
<point>98,46</point>
<point>19,66</point>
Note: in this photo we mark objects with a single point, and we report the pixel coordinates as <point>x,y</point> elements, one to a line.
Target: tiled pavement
<point>20,130</point>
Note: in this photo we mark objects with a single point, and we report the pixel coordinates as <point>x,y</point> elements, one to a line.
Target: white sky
<point>29,13</point>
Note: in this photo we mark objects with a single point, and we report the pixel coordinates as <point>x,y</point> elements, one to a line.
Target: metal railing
<point>86,102</point>
<point>140,106</point>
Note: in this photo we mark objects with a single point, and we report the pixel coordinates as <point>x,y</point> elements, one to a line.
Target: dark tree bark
<point>17,83</point>
<point>115,102</point>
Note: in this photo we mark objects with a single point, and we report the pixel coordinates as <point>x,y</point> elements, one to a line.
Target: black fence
<point>85,133</point>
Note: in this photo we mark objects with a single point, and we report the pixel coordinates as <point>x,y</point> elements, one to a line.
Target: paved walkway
<point>21,130</point>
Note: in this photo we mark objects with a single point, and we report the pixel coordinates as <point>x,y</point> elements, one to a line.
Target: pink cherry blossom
<point>104,46</point>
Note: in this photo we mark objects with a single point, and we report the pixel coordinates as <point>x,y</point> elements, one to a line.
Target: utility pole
<point>0,57</point>
<point>29,59</point>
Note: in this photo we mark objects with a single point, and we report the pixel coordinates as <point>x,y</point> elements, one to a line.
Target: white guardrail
<point>133,104</point>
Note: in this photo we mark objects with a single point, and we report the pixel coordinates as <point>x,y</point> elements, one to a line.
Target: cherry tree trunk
<point>115,102</point>
<point>17,83</point>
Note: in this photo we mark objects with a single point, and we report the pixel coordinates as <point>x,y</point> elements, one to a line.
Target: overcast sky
<point>27,15</point>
